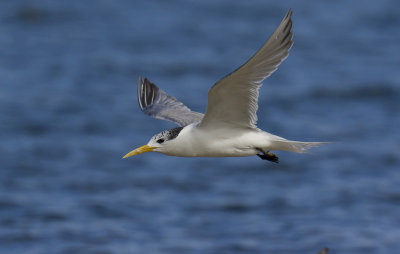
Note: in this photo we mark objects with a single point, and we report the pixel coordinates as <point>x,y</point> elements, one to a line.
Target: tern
<point>228,128</point>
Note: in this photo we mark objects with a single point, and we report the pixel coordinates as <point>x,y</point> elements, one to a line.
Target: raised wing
<point>234,99</point>
<point>156,103</point>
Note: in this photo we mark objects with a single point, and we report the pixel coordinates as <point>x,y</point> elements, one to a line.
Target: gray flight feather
<point>234,99</point>
<point>156,103</point>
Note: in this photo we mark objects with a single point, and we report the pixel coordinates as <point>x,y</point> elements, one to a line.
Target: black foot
<point>268,156</point>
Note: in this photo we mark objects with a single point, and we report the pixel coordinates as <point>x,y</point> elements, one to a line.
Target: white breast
<point>221,142</point>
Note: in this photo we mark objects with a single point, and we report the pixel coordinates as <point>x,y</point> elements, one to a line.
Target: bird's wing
<point>156,103</point>
<point>233,99</point>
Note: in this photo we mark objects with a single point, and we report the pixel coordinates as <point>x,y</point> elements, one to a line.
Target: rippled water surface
<point>68,112</point>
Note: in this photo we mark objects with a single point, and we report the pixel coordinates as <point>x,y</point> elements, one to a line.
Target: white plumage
<point>228,128</point>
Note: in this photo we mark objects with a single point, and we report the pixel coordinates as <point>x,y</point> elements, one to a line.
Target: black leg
<point>268,156</point>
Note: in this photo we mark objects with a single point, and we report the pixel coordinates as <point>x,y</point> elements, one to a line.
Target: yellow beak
<point>142,149</point>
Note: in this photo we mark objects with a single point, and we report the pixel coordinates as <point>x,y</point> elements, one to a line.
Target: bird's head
<point>157,143</point>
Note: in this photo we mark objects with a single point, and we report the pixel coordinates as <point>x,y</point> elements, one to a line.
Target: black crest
<point>167,135</point>
<point>173,133</point>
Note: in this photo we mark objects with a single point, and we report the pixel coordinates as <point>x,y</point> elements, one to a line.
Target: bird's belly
<point>221,146</point>
<point>214,152</point>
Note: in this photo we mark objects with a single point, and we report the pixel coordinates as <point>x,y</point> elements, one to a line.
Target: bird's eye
<point>161,140</point>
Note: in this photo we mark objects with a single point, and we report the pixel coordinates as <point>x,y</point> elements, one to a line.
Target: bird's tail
<point>295,146</point>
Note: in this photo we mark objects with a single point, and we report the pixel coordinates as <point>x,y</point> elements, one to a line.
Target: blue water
<point>68,112</point>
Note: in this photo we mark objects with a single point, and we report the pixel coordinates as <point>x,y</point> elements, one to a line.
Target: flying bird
<point>228,128</point>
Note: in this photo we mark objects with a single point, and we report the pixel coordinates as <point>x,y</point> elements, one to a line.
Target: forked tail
<point>295,146</point>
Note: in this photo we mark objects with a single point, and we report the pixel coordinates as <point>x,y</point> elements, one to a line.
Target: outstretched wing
<point>234,99</point>
<point>156,103</point>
